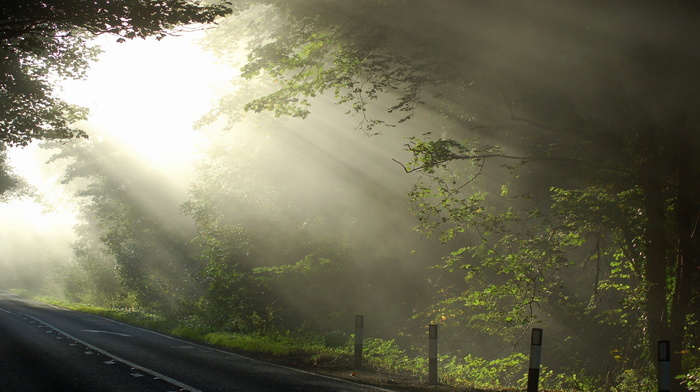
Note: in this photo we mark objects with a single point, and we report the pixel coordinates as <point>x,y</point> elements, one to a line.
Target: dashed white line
<point>108,332</point>
<point>153,373</point>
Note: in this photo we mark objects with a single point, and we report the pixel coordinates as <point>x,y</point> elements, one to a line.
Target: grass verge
<point>385,364</point>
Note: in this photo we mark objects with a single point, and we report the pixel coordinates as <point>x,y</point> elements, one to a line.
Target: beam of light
<point>146,94</point>
<point>143,95</point>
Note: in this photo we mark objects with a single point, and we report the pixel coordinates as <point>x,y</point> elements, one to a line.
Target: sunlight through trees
<point>489,166</point>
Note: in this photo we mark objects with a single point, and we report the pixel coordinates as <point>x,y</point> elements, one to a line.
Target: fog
<point>145,97</point>
<point>134,103</point>
<point>32,242</point>
<point>317,209</point>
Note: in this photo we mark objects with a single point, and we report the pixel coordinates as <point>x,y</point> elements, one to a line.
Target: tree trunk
<point>686,212</point>
<point>655,271</point>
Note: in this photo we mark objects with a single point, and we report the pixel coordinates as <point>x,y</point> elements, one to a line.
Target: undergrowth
<point>380,355</point>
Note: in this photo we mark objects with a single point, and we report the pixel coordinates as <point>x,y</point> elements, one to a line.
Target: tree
<point>8,179</point>
<point>267,248</point>
<point>310,48</point>
<point>42,42</point>
<point>89,276</point>
<point>135,220</point>
<point>591,105</point>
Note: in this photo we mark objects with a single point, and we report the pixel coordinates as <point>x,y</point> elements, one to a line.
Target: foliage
<point>274,248</point>
<point>693,380</point>
<point>636,380</point>
<point>42,43</point>
<point>260,344</point>
<point>379,354</point>
<point>129,316</point>
<point>90,276</point>
<point>228,251</point>
<point>11,185</point>
<point>126,243</point>
<point>479,372</point>
<point>31,64</point>
<point>309,53</point>
<point>602,178</point>
<point>386,356</point>
<point>564,179</point>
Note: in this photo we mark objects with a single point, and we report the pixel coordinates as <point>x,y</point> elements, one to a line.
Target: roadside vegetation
<point>385,363</point>
<point>532,164</point>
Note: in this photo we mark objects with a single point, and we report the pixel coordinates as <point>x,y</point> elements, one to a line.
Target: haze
<point>487,166</point>
<point>138,92</point>
<point>144,98</point>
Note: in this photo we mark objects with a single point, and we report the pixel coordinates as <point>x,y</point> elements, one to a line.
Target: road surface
<point>45,348</point>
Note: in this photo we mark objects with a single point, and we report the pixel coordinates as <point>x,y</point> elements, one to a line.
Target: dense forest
<point>489,166</point>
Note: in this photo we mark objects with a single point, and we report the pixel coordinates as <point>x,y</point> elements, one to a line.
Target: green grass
<point>260,344</point>
<point>280,345</point>
<point>128,316</point>
<point>381,355</point>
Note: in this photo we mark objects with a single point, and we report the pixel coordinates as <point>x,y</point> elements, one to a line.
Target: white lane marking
<point>204,349</point>
<point>109,332</point>
<point>122,360</point>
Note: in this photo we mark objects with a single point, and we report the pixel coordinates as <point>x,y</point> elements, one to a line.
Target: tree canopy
<point>42,42</point>
<point>555,157</point>
<point>583,112</point>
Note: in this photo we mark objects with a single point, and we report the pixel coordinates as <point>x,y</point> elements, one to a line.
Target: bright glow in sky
<point>146,94</point>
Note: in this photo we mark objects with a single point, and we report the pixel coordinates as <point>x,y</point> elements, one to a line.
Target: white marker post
<point>533,373</point>
<point>359,337</point>
<point>664,366</point>
<point>432,354</point>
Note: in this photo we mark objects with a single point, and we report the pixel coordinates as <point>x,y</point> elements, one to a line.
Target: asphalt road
<point>45,348</point>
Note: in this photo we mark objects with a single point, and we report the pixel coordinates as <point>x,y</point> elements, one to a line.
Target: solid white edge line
<point>208,348</point>
<point>368,386</point>
<point>122,360</point>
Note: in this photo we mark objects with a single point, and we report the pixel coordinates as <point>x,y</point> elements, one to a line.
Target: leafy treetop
<point>45,41</point>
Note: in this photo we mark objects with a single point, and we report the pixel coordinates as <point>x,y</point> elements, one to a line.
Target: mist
<point>301,209</point>
<point>323,167</point>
